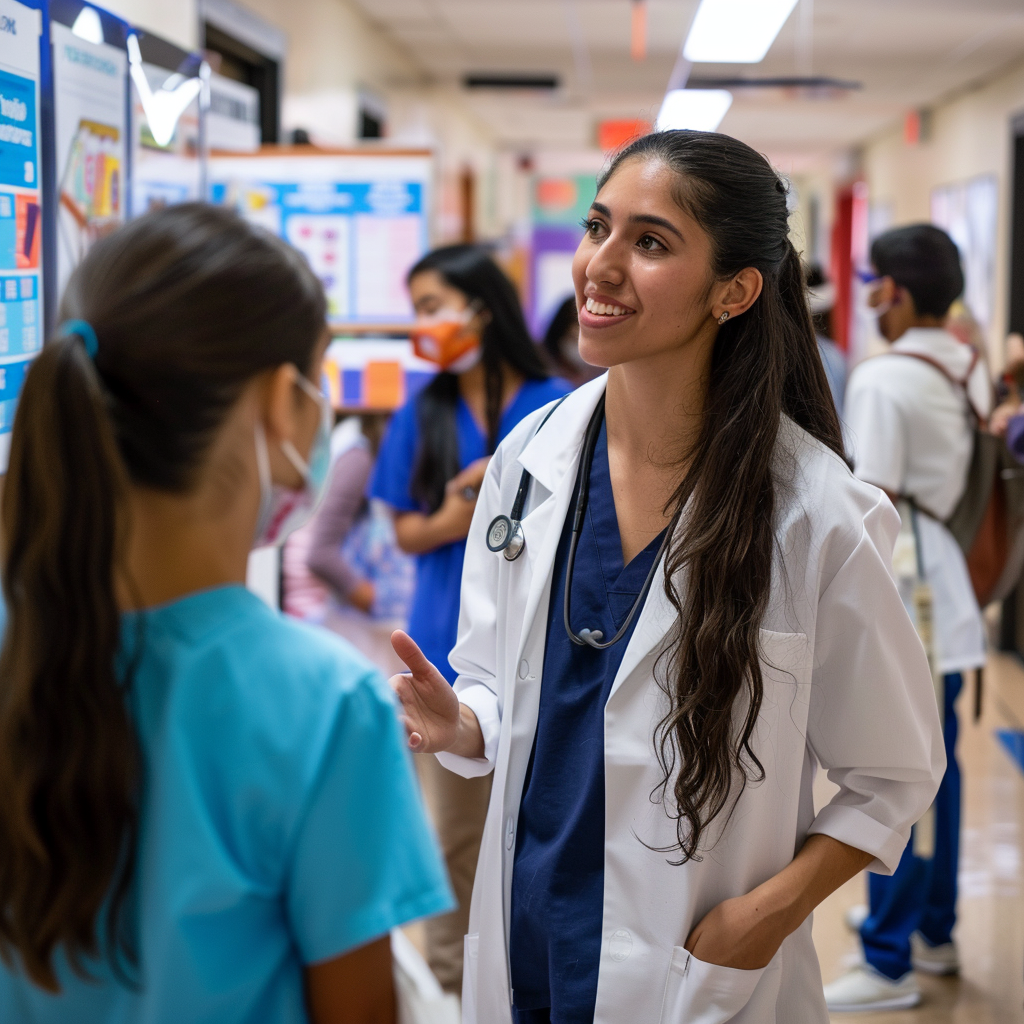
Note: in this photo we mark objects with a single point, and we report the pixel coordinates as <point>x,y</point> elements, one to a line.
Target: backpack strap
<point>962,384</point>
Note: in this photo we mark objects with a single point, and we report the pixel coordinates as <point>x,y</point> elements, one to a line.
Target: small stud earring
<point>724,317</point>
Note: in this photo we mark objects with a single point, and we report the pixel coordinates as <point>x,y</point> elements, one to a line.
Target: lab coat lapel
<point>656,620</point>
<point>551,458</point>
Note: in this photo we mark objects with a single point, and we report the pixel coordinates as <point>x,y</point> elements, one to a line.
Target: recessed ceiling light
<point>735,31</point>
<point>699,109</point>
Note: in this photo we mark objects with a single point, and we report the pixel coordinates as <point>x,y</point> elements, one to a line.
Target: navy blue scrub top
<point>558,872</point>
<point>434,616</point>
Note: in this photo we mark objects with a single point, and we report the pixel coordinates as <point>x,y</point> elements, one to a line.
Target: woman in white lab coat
<point>703,612</point>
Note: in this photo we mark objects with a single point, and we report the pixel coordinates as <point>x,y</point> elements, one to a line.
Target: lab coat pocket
<point>471,967</point>
<point>702,993</point>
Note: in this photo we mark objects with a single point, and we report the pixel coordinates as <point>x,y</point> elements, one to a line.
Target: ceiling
<point>907,54</point>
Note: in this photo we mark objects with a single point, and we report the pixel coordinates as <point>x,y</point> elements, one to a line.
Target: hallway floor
<point>990,931</point>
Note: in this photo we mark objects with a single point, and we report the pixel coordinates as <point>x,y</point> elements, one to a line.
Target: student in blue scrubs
<point>430,467</point>
<point>559,856</point>
<point>207,811</point>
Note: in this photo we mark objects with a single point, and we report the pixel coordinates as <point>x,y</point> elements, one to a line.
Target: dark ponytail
<point>188,304</point>
<point>68,763</point>
<point>718,568</point>
<point>506,342</point>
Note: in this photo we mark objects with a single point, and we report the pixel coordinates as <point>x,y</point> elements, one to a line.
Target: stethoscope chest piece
<point>506,535</point>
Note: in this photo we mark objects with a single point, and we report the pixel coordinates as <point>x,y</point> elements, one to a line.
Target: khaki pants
<point>458,807</point>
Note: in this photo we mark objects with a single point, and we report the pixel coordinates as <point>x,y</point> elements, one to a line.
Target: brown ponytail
<point>188,304</point>
<point>68,805</point>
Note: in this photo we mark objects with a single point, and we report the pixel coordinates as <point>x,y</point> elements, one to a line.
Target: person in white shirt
<point>909,431</point>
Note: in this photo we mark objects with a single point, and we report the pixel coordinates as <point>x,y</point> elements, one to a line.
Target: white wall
<point>175,20</point>
<point>970,137</point>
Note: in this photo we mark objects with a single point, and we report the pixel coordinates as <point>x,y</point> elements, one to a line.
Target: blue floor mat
<point>1013,742</point>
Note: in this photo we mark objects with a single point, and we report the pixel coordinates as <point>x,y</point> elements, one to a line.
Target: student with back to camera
<point>207,811</point>
<point>910,430</point>
<point>430,467</point>
<point>702,608</point>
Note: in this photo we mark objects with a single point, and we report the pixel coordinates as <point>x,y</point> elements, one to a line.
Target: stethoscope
<point>505,535</point>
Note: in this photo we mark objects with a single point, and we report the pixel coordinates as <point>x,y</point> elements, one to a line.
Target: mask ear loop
<point>291,453</point>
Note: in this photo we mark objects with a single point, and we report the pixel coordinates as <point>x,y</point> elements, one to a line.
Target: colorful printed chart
<point>20,221</point>
<point>370,373</point>
<point>90,83</point>
<point>361,221</point>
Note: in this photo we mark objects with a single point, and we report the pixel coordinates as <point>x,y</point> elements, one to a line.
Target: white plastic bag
<point>421,1000</point>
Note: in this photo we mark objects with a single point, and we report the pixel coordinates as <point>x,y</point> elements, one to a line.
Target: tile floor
<point>990,931</point>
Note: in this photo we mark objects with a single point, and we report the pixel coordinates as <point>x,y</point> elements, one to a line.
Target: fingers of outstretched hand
<point>408,650</point>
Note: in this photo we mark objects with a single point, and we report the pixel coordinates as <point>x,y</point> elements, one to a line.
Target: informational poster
<point>373,373</point>
<point>968,211</point>
<point>20,213</point>
<point>559,205</point>
<point>89,84</point>
<point>361,221</point>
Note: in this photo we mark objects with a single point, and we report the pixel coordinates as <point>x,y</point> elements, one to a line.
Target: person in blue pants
<point>919,899</point>
<point>908,418</point>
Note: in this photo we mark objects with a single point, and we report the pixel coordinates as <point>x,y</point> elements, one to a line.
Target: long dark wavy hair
<point>505,340</point>
<point>188,305</point>
<point>718,567</point>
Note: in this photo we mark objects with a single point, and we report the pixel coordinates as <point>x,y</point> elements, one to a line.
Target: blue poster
<point>18,150</point>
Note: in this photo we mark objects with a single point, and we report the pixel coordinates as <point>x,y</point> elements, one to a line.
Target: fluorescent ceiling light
<point>699,109</point>
<point>87,26</point>
<point>735,31</point>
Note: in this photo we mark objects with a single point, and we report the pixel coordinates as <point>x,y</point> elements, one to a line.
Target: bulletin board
<point>373,374</point>
<point>21,310</point>
<point>559,205</point>
<point>360,218</point>
<point>90,84</point>
<point>968,211</point>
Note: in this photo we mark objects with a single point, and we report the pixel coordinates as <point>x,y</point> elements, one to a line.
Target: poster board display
<point>90,121</point>
<point>373,373</point>
<point>559,204</point>
<point>360,219</point>
<point>20,207</point>
<point>968,211</point>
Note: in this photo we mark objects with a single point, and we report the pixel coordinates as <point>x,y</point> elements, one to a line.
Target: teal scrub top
<point>281,823</point>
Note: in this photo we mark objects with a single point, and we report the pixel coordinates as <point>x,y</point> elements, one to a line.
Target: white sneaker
<point>942,959</point>
<point>856,916</point>
<point>864,988</point>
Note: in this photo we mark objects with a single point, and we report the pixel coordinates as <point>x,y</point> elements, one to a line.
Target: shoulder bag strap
<point>962,384</point>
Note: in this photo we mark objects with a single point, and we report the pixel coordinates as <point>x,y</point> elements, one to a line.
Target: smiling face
<point>645,285</point>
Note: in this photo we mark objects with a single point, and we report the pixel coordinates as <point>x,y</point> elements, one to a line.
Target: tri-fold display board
<point>101,121</point>
<point>21,279</point>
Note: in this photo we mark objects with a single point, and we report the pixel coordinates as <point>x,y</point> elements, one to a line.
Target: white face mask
<point>282,510</point>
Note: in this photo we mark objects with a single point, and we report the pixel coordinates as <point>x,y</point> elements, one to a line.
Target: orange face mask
<point>446,340</point>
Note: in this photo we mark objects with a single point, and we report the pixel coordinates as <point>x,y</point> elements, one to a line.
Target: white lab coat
<point>846,685</point>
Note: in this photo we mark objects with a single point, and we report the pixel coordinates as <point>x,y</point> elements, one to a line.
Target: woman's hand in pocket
<point>742,933</point>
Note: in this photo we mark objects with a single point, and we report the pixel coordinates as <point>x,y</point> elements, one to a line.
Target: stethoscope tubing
<point>505,536</point>
<point>582,487</point>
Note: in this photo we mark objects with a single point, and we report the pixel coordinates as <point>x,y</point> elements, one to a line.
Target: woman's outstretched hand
<point>430,709</point>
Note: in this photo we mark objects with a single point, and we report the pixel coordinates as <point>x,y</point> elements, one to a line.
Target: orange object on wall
<point>28,228</point>
<point>383,385</point>
<point>638,30</point>
<point>612,135</point>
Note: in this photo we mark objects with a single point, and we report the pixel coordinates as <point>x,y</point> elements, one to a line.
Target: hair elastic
<point>85,331</point>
